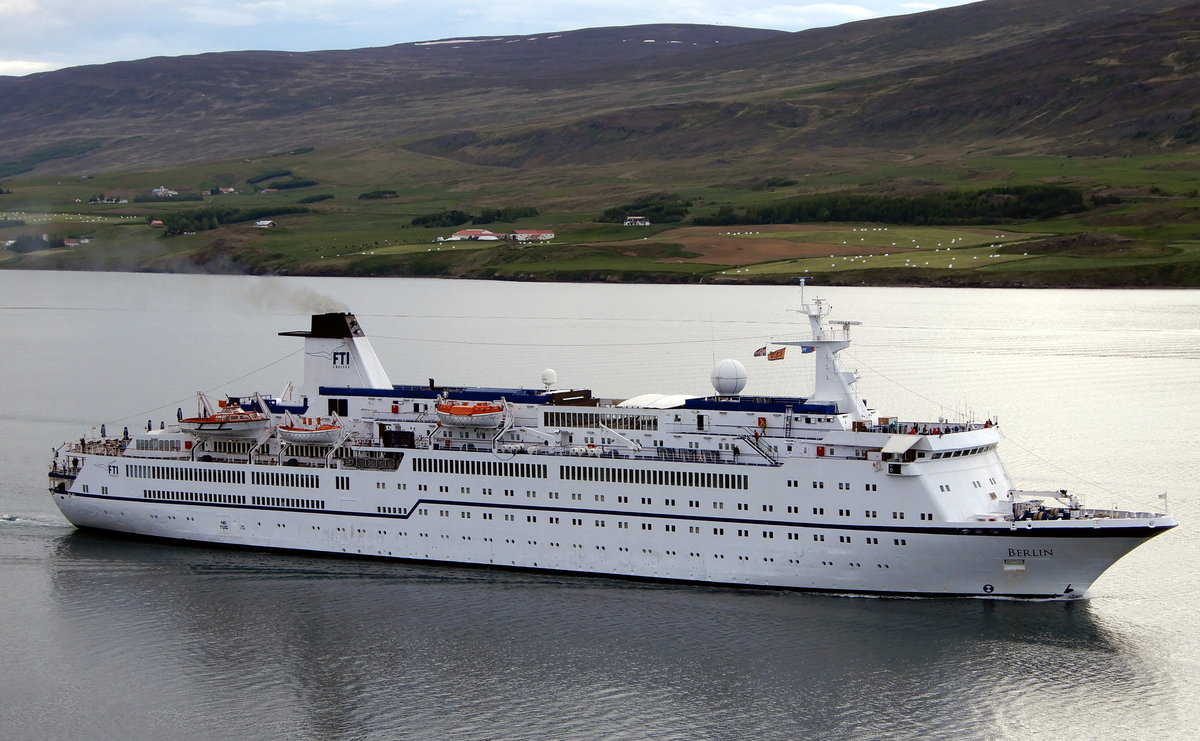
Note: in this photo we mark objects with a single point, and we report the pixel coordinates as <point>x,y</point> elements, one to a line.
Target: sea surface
<point>112,638</point>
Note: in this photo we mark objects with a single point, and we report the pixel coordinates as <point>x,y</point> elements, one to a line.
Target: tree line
<point>457,217</point>
<point>29,243</point>
<point>203,219</point>
<point>658,208</point>
<point>990,205</point>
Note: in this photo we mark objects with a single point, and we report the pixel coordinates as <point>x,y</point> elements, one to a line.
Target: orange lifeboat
<point>469,413</point>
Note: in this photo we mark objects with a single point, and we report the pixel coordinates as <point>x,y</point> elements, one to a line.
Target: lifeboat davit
<point>469,414</point>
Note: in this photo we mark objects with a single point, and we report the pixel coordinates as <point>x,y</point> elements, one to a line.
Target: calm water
<point>111,638</point>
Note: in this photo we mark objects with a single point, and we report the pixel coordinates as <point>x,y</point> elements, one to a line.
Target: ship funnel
<point>338,354</point>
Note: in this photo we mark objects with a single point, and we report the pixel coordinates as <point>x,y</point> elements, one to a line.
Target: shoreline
<point>1125,278</point>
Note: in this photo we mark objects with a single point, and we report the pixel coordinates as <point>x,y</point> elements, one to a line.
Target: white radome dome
<point>728,377</point>
<point>549,378</point>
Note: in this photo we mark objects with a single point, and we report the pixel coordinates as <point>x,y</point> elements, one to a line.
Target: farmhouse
<point>637,221</point>
<point>265,225</point>
<point>530,235</point>
<point>480,234</point>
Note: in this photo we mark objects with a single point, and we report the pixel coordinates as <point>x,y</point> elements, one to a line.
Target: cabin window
<point>340,407</point>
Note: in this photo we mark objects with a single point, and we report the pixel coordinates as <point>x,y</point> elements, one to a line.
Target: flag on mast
<point>760,351</point>
<point>776,354</point>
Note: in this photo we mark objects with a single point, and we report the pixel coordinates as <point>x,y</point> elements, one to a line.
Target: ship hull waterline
<point>1071,558</point>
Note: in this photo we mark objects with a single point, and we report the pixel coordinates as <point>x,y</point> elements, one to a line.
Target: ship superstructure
<point>816,493</point>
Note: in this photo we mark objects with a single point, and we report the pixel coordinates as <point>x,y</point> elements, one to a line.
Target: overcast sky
<point>40,35</point>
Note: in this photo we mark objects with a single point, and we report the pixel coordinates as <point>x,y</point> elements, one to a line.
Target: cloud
<point>24,67</point>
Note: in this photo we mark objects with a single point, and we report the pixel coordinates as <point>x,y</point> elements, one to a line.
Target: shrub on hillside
<point>452,217</point>
<point>290,184</point>
<point>659,208</point>
<point>29,243</point>
<point>507,214</point>
<point>377,194</point>
<point>1022,202</point>
<point>203,219</point>
<point>260,177</point>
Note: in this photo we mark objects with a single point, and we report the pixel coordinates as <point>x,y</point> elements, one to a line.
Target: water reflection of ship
<point>351,638</point>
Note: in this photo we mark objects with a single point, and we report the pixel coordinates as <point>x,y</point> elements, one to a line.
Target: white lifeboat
<point>227,421</point>
<point>469,414</point>
<point>311,431</point>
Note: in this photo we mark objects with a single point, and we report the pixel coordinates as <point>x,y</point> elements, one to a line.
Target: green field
<point>1147,235</point>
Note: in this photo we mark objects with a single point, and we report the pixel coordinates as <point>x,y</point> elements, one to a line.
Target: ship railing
<point>110,446</point>
<point>898,427</point>
<point>755,442</point>
<point>363,463</point>
<point>1036,509</point>
<point>65,467</point>
<point>668,455</point>
<point>1117,514</point>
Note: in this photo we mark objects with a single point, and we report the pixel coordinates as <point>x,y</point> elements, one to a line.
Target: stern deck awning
<point>898,444</point>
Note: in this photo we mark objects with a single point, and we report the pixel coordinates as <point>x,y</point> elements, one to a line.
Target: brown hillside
<point>1041,75</point>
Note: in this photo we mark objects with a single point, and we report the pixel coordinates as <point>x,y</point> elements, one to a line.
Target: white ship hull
<point>1038,559</point>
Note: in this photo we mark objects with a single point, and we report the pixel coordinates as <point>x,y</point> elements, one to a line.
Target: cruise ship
<point>812,493</point>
